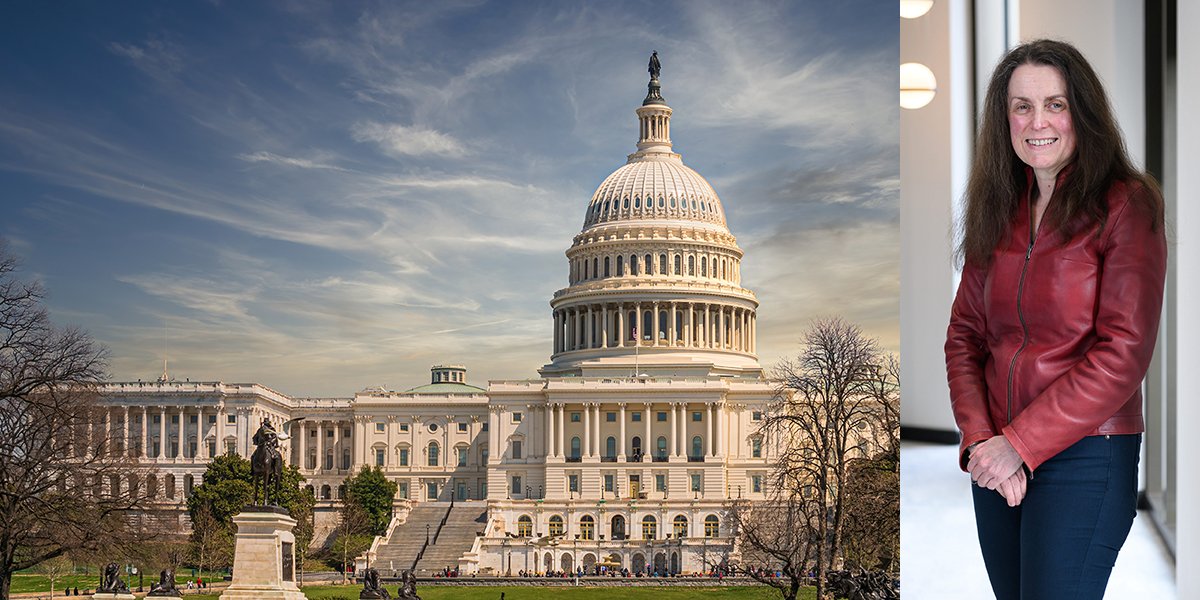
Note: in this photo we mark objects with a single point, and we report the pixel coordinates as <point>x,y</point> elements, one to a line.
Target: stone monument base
<point>264,556</point>
<point>112,596</point>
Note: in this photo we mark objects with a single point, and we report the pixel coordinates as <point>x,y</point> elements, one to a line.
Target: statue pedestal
<point>264,558</point>
<point>112,596</point>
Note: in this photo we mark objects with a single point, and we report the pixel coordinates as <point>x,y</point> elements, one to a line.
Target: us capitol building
<point>630,448</point>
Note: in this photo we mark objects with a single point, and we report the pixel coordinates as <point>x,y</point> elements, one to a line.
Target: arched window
<point>620,266</point>
<point>525,526</point>
<point>678,264</point>
<point>633,264</point>
<point>678,326</point>
<point>662,324</point>
<point>697,447</point>
<point>648,263</point>
<point>712,526</point>
<point>575,447</point>
<point>556,525</point>
<point>325,494</point>
<point>626,204</point>
<point>595,266</point>
<point>587,527</point>
<point>606,266</point>
<point>637,203</point>
<point>433,454</point>
<point>649,528</point>
<point>631,319</point>
<point>585,268</point>
<point>692,265</point>
<point>704,266</point>
<point>618,527</point>
<point>662,264</point>
<point>637,445</point>
<point>679,527</point>
<point>610,447</point>
<point>662,447</point>
<point>647,325</point>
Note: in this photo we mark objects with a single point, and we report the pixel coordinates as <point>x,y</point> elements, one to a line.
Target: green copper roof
<point>446,388</point>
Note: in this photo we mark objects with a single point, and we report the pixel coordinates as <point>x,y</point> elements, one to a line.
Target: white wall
<point>933,163</point>
<point>1187,333</point>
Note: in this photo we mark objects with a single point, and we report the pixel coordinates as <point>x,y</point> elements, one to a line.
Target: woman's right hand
<point>1013,489</point>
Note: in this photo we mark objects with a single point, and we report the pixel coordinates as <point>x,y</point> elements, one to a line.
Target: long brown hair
<point>998,177</point>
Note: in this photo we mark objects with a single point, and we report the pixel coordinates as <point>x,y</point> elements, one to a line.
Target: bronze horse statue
<point>266,464</point>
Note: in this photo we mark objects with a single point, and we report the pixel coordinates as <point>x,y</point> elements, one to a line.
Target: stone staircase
<point>457,536</point>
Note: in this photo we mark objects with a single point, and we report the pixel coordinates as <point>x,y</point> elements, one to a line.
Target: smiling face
<point>1039,119</point>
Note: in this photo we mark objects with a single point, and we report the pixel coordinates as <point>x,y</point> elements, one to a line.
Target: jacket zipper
<point>1012,366</point>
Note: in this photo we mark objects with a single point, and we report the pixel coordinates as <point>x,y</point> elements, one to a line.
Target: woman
<point>1053,326</point>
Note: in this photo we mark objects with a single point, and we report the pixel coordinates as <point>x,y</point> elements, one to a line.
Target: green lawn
<point>546,593</point>
<point>32,582</point>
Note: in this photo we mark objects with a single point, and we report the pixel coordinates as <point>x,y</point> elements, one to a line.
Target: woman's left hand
<point>993,461</point>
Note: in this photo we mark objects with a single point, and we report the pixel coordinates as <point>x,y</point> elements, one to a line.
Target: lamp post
<point>427,534</point>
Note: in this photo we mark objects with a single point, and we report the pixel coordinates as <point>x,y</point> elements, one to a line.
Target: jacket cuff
<point>1027,455</point>
<point>967,442</point>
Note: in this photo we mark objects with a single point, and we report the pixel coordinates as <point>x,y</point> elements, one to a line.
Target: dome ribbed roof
<point>662,188</point>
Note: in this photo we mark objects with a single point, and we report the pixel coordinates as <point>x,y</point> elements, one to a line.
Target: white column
<point>708,338</point>
<point>654,321</point>
<point>688,334</point>
<point>596,436</point>
<point>647,443</point>
<point>302,427</point>
<point>562,424</point>
<point>587,430</point>
<point>605,326</point>
<point>200,445</point>
<point>590,338</point>
<point>320,462</point>
<point>162,432</point>
<point>182,432</point>
<point>621,326</point>
<point>557,332</point>
<point>638,324</point>
<point>673,439</point>
<point>622,441</point>
<point>549,416</point>
<point>145,441</point>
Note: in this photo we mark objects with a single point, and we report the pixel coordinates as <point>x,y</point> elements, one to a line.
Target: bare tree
<point>352,535</point>
<point>64,475</point>
<point>827,411</point>
<point>55,569</point>
<point>777,535</point>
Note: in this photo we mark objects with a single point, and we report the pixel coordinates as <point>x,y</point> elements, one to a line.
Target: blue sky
<point>324,196</point>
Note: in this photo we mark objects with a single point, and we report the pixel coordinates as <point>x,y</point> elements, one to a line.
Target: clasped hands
<point>995,465</point>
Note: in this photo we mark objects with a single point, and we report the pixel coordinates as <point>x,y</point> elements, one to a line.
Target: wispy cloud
<point>303,163</point>
<point>400,140</point>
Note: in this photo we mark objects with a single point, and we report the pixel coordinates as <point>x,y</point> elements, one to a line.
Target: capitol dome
<point>655,188</point>
<point>654,273</point>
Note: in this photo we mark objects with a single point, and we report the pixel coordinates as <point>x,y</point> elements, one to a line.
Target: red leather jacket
<point>1050,342</point>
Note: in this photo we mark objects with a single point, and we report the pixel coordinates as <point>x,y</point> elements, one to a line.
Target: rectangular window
<point>697,417</point>
<point>660,482</point>
<point>756,415</point>
<point>756,484</point>
<point>695,482</point>
<point>610,417</point>
<point>404,457</point>
<point>212,420</point>
<point>462,457</point>
<point>662,417</point>
<point>575,417</point>
<point>609,482</point>
<point>573,483</point>
<point>192,419</point>
<point>229,419</point>
<point>404,489</point>
<point>346,432</point>
<point>174,419</point>
<point>462,427</point>
<point>756,447</point>
<point>404,428</point>
<point>484,426</point>
<point>516,484</point>
<point>516,449</point>
<point>380,427</point>
<point>637,417</point>
<point>329,433</point>
<point>516,417</point>
<point>379,457</point>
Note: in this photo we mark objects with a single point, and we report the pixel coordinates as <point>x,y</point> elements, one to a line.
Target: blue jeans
<point>1062,541</point>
